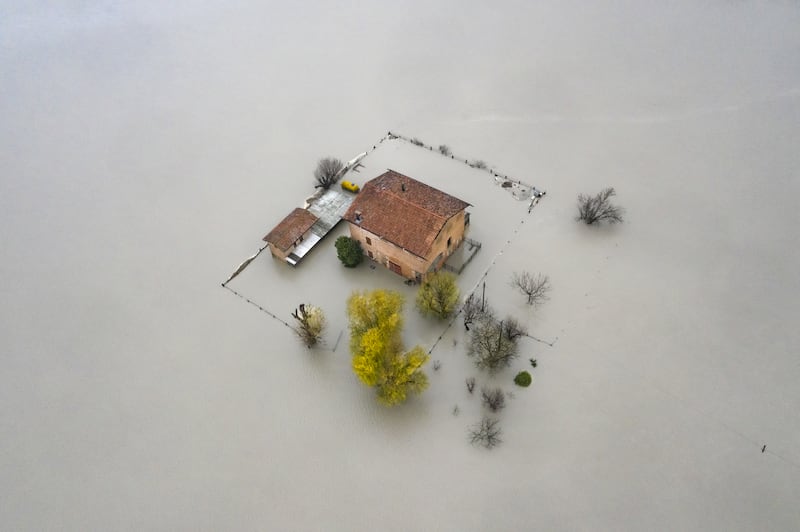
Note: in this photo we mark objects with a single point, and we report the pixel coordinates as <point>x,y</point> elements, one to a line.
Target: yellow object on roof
<point>352,187</point>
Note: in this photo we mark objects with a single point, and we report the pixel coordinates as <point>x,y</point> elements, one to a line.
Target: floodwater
<point>145,150</point>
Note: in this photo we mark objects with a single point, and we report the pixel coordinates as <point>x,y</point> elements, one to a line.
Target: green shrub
<point>349,251</point>
<point>523,379</point>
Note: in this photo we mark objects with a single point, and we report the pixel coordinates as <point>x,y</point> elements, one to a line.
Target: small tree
<point>486,433</point>
<point>473,310</point>
<point>513,329</point>
<point>470,310</point>
<point>349,251</point>
<point>438,295</point>
<point>444,149</point>
<point>470,384</point>
<point>311,323</point>
<point>327,172</point>
<point>534,287</point>
<point>523,379</point>
<point>494,400</point>
<point>481,165</point>
<point>599,208</point>
<point>491,346</point>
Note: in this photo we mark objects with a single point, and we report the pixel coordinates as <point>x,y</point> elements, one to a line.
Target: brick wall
<point>278,253</point>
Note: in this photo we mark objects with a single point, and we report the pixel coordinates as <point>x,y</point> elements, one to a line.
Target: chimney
<point>358,217</point>
<point>403,186</point>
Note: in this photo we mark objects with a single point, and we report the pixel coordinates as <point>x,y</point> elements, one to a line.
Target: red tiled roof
<point>290,229</point>
<point>404,211</point>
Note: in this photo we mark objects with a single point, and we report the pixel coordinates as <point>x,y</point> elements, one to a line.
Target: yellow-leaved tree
<point>379,359</point>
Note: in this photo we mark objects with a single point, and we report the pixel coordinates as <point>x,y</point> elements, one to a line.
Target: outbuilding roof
<point>290,229</point>
<point>404,211</point>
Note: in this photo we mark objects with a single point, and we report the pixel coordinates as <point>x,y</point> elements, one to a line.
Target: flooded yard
<point>147,149</point>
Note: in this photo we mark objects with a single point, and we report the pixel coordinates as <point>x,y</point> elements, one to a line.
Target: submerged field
<point>146,150</point>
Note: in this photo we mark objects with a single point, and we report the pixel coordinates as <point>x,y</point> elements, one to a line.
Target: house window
<point>369,252</point>
<point>369,241</point>
<point>449,241</point>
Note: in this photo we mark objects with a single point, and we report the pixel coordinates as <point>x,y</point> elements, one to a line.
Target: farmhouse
<point>408,226</point>
<point>289,233</point>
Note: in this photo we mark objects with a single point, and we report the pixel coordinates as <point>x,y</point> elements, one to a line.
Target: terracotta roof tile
<point>404,211</point>
<point>290,229</point>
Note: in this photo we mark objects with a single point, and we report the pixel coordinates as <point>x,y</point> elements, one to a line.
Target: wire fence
<point>259,307</point>
<point>518,188</point>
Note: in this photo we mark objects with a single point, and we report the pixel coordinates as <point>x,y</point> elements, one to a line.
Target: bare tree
<point>494,400</point>
<point>328,172</point>
<point>473,310</point>
<point>492,349</point>
<point>470,384</point>
<point>599,208</point>
<point>486,433</point>
<point>513,329</point>
<point>311,323</point>
<point>534,287</point>
<point>444,149</point>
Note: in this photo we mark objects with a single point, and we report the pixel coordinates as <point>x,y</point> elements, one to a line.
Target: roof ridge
<point>415,205</point>
<point>409,202</point>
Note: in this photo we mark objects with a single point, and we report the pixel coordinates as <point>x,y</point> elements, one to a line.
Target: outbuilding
<point>289,233</point>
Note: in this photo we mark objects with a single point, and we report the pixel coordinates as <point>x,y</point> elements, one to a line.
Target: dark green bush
<point>523,379</point>
<point>349,251</point>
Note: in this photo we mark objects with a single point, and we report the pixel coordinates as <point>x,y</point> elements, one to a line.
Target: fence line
<point>336,345</point>
<point>259,307</point>
<point>477,163</point>
<point>244,264</point>
<point>551,344</point>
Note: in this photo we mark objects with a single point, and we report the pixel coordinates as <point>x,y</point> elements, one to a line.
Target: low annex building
<point>289,233</point>
<point>406,225</point>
